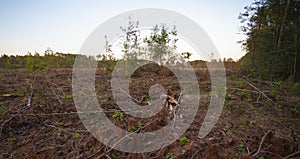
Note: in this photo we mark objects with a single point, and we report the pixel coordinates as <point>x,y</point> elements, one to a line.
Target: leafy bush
<point>117,115</point>
<point>183,140</point>
<point>169,155</point>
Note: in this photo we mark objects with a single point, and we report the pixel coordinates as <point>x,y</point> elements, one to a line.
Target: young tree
<point>130,40</point>
<point>107,54</point>
<point>162,45</point>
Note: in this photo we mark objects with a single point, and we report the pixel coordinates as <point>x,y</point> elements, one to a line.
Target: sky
<point>63,25</point>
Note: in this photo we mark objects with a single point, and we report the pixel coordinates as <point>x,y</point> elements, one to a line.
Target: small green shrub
<point>251,107</point>
<point>169,155</point>
<point>240,147</point>
<point>113,156</point>
<point>183,140</point>
<point>132,128</point>
<point>117,115</point>
<point>68,96</point>
<point>76,136</point>
<point>228,96</point>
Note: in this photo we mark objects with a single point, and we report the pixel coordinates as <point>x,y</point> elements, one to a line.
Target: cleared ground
<point>38,118</point>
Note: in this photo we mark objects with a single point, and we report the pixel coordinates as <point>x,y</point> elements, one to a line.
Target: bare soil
<point>38,118</point>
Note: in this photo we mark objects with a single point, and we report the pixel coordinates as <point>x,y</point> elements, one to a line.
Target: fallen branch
<point>245,90</point>
<point>10,119</point>
<point>29,99</point>
<point>291,155</point>
<point>272,153</point>
<point>21,111</point>
<point>57,97</point>
<point>261,143</point>
<point>248,151</point>
<point>195,153</point>
<point>130,96</point>
<point>261,92</point>
<point>67,130</point>
<point>49,148</point>
<point>59,88</point>
<point>99,150</point>
<point>102,155</point>
<point>179,98</point>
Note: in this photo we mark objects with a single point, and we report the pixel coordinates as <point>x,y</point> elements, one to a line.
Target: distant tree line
<point>60,60</point>
<point>229,64</point>
<point>272,28</point>
<point>37,62</point>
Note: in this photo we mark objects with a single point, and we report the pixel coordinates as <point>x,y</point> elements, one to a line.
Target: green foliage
<point>117,115</point>
<point>295,88</point>
<point>139,124</point>
<point>240,147</point>
<point>113,156</point>
<point>273,31</point>
<point>36,62</point>
<point>274,89</point>
<point>76,136</point>
<point>12,140</point>
<point>137,73</point>
<point>227,96</point>
<point>161,44</point>
<point>108,54</point>
<point>68,96</point>
<point>183,140</point>
<point>169,155</point>
<point>251,107</point>
<point>132,128</point>
<point>2,110</point>
<point>130,40</point>
<point>228,133</point>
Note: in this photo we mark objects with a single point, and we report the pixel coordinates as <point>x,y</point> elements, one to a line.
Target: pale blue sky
<point>63,25</point>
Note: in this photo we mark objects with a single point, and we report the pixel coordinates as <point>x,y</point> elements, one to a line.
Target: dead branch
<point>248,151</point>
<point>251,91</point>
<point>245,90</point>
<point>261,143</point>
<point>99,150</point>
<point>67,130</point>
<point>261,92</point>
<point>130,96</point>
<point>257,100</point>
<point>59,88</point>
<point>291,155</point>
<point>272,153</point>
<point>129,134</point>
<point>57,97</point>
<point>221,131</point>
<point>21,111</point>
<point>107,156</point>
<point>179,98</point>
<point>10,119</point>
<point>195,153</point>
<point>49,148</point>
<point>29,99</point>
